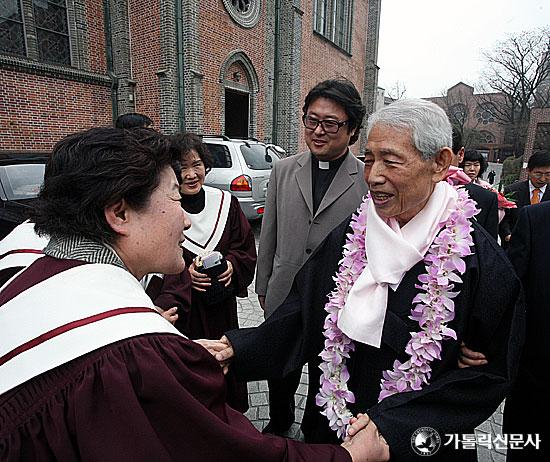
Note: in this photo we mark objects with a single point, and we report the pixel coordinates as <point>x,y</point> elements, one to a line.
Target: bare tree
<point>519,68</point>
<point>397,91</point>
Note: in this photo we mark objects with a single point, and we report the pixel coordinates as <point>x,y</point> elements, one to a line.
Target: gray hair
<point>427,123</point>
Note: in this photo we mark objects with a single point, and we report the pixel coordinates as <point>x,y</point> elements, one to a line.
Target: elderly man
<point>417,277</point>
<point>88,369</point>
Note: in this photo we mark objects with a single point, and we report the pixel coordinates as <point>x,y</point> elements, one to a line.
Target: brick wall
<point>37,111</point>
<point>146,55</point>
<point>41,103</point>
<point>219,35</point>
<point>95,37</point>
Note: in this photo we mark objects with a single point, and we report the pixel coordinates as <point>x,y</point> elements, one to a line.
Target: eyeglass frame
<point>539,175</point>
<point>322,123</point>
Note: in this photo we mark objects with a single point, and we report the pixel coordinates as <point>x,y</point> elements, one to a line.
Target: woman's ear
<point>117,216</point>
<point>441,163</point>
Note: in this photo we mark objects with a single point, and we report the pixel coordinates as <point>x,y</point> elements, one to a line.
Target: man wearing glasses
<point>308,196</point>
<point>528,192</point>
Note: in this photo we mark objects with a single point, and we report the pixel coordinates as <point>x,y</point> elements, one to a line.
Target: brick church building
<point>233,67</point>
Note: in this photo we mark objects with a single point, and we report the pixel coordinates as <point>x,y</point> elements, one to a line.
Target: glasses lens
<point>310,122</point>
<point>330,126</point>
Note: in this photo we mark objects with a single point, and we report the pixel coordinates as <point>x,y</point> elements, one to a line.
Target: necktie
<point>535,199</point>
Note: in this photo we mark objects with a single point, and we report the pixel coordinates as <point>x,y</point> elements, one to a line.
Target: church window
<point>333,20</point>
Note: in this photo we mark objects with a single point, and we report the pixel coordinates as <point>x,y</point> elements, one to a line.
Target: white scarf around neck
<point>391,251</point>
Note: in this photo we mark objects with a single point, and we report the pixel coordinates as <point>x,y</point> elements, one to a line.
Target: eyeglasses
<point>540,174</point>
<point>328,126</point>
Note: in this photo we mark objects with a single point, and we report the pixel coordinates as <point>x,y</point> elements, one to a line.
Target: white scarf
<point>391,251</point>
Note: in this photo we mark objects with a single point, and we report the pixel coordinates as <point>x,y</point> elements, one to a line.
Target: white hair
<point>427,123</point>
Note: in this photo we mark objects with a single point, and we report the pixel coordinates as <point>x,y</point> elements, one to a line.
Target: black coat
<point>488,318</point>
<point>520,194</point>
<point>529,252</point>
<point>487,202</point>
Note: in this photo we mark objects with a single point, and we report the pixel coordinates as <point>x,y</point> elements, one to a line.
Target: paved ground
<point>250,314</point>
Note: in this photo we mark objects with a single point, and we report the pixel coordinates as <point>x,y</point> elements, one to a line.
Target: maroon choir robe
<point>151,397</point>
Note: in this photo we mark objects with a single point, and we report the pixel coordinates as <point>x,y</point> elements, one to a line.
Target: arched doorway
<point>239,89</point>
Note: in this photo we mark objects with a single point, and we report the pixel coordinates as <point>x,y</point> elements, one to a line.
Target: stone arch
<point>237,74</point>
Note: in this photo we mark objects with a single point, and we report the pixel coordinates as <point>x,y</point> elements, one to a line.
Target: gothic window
<point>36,29</point>
<point>487,137</point>
<point>459,113</point>
<point>52,31</point>
<point>244,12</point>
<point>485,114</point>
<point>12,33</point>
<point>333,20</point>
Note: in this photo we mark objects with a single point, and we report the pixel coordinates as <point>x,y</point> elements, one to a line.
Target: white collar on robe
<point>21,247</point>
<point>208,225</point>
<point>69,315</point>
<point>391,251</point>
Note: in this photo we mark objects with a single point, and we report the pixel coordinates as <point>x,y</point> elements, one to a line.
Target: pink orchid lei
<point>432,309</point>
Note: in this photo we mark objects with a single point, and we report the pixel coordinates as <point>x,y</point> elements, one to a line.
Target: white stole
<point>69,315</point>
<point>21,247</point>
<point>391,251</point>
<point>208,225</point>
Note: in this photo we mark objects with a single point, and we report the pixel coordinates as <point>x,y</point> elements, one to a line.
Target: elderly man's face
<point>400,181</point>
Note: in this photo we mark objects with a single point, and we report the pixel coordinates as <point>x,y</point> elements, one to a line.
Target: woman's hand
<point>199,281</point>
<point>225,277</point>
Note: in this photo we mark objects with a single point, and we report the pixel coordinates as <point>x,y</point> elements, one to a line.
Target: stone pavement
<point>250,315</point>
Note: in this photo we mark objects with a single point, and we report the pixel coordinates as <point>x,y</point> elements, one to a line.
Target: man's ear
<point>460,155</point>
<point>117,216</point>
<point>441,163</point>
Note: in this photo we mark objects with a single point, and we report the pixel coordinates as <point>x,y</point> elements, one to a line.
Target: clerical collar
<point>329,165</point>
<point>193,203</point>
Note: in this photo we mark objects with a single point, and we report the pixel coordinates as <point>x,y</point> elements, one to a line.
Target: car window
<point>220,155</point>
<point>257,157</point>
<point>22,181</point>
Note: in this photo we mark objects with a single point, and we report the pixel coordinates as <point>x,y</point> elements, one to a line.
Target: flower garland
<point>432,309</point>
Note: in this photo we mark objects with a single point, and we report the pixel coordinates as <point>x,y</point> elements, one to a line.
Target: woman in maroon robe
<point>89,371</point>
<point>207,306</point>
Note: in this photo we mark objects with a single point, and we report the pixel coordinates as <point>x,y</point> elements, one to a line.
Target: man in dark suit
<point>486,201</point>
<point>527,192</point>
<point>529,252</point>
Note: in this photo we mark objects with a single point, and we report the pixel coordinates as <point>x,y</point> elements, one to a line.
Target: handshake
<point>363,441</point>
<point>221,349</point>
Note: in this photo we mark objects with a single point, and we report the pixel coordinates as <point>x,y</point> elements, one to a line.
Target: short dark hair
<point>94,169</point>
<point>457,141</point>
<point>343,92</point>
<point>182,144</point>
<point>471,155</point>
<point>539,159</point>
<point>133,120</point>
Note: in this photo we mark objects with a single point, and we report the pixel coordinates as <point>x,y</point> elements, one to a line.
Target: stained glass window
<point>52,32</point>
<point>12,35</point>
